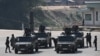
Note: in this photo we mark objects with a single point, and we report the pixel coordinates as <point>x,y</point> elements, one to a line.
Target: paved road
<point>49,51</point>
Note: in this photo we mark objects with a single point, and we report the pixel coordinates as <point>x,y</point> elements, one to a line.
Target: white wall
<point>93,21</point>
<point>97,22</point>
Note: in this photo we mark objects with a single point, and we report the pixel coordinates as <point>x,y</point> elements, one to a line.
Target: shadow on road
<point>98,50</point>
<point>30,53</point>
<point>83,47</point>
<point>69,52</point>
<point>46,48</point>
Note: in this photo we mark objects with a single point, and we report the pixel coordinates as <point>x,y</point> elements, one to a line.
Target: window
<point>88,17</point>
<point>96,15</point>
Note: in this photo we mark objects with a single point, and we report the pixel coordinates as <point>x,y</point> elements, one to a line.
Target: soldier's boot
<point>9,50</point>
<point>6,50</point>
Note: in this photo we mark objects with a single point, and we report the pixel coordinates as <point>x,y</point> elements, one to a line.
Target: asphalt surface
<point>48,51</point>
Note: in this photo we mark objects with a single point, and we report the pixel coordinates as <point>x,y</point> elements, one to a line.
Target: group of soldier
<point>88,40</point>
<point>8,42</point>
<point>41,29</point>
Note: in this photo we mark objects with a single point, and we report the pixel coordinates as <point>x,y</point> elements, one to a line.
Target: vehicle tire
<point>73,51</point>
<point>31,51</point>
<point>46,45</point>
<point>76,49</point>
<point>82,45</point>
<point>57,50</point>
<point>36,49</point>
<point>16,51</point>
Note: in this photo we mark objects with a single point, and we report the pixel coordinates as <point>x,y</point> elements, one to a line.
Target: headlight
<point>69,45</point>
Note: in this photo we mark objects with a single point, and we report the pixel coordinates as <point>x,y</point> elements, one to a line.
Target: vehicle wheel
<point>36,49</point>
<point>73,51</point>
<point>31,51</point>
<point>76,49</point>
<point>16,51</point>
<point>46,46</point>
<point>82,45</point>
<point>57,50</point>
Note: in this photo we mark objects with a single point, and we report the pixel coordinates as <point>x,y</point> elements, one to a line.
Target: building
<point>64,2</point>
<point>92,14</point>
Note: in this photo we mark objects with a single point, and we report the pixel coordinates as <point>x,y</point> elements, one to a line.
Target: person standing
<point>95,43</point>
<point>12,40</point>
<point>89,36</point>
<point>55,42</point>
<point>7,45</point>
<point>87,39</point>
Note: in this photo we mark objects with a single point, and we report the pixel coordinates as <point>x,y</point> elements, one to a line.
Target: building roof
<point>93,4</point>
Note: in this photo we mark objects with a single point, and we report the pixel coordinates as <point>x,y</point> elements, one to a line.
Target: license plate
<point>22,49</point>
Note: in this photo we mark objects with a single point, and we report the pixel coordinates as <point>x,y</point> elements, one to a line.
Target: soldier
<point>89,36</point>
<point>95,43</point>
<point>55,42</point>
<point>12,40</point>
<point>7,45</point>
<point>87,39</point>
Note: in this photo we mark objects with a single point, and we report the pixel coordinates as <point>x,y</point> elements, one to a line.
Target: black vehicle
<point>44,39</point>
<point>80,39</point>
<point>66,43</point>
<point>26,44</point>
<point>78,35</point>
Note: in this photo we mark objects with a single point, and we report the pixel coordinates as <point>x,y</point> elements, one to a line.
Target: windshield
<point>41,35</point>
<point>69,39</point>
<point>24,39</point>
<point>78,34</point>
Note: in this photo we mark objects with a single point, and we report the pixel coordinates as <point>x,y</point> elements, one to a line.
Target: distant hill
<point>51,16</point>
